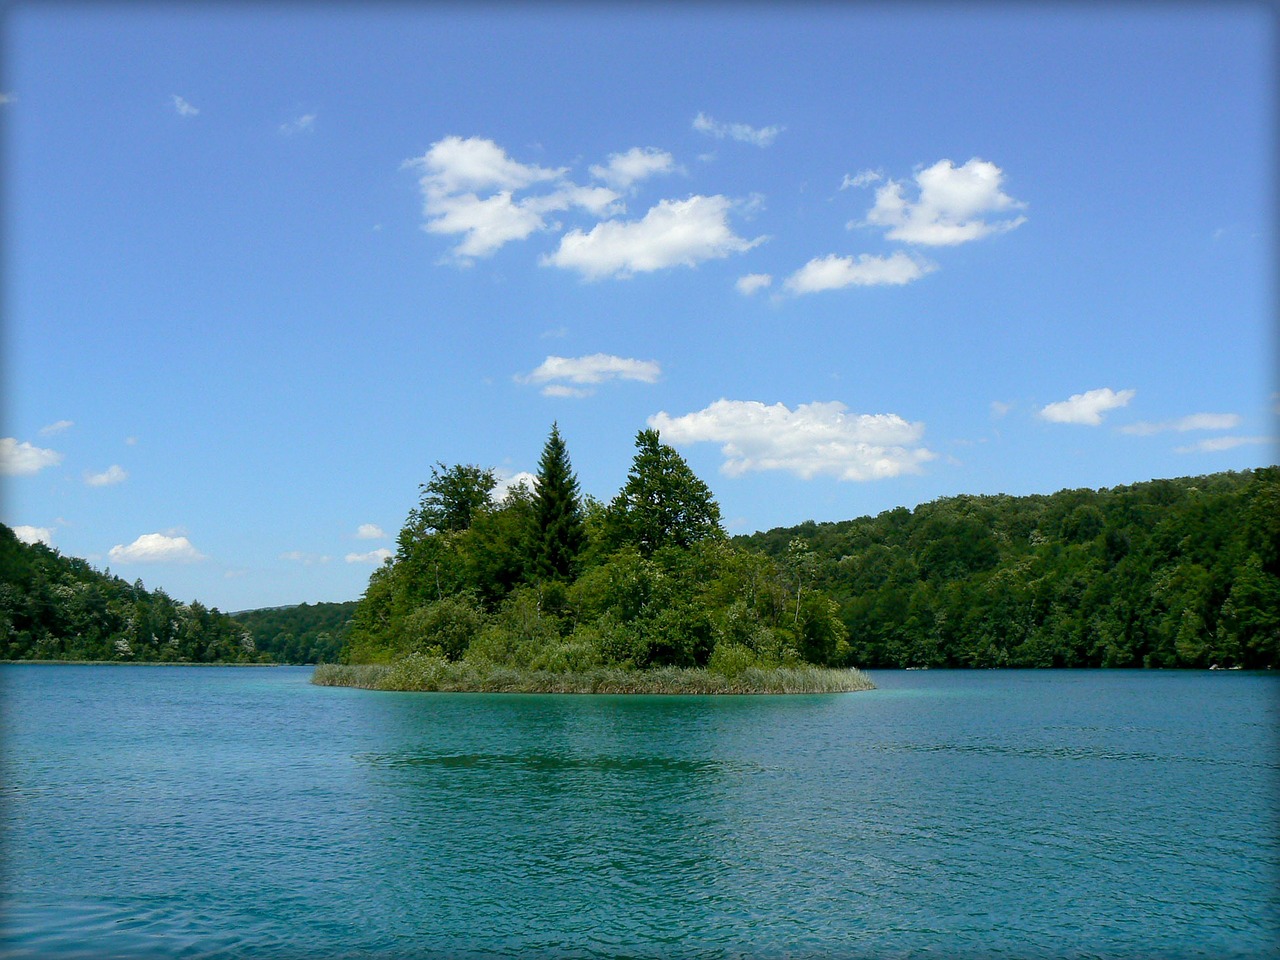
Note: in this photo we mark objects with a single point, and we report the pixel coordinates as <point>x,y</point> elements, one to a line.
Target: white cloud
<point>156,548</point>
<point>370,531</point>
<point>1218,444</point>
<point>486,224</point>
<point>302,124</point>
<point>752,282</point>
<point>1087,408</point>
<point>22,459</point>
<point>761,137</point>
<point>57,427</point>
<point>865,178</point>
<point>952,204</point>
<point>506,484</point>
<point>113,474</point>
<point>832,272</point>
<point>306,559</point>
<point>456,171</point>
<point>455,164</point>
<point>815,438</point>
<point>625,169</point>
<point>593,369</point>
<point>565,391</point>
<point>34,534</point>
<point>1000,409</point>
<point>8,98</point>
<point>1195,421</point>
<point>673,233</point>
<point>183,107</point>
<point>373,556</point>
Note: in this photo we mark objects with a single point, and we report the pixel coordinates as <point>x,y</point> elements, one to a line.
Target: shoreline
<point>431,675</point>
<point>139,663</point>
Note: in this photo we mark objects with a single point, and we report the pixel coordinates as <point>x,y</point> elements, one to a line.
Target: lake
<point>157,812</point>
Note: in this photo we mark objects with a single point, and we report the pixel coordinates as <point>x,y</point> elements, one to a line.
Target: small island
<point>544,590</point>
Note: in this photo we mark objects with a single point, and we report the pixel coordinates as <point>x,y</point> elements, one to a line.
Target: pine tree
<point>558,528</point>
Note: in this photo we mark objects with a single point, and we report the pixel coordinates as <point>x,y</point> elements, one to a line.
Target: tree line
<point>60,608</point>
<point>302,633</point>
<point>1167,573</point>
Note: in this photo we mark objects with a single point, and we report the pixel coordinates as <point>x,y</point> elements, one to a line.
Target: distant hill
<point>1167,573</point>
<point>60,608</point>
<point>300,633</point>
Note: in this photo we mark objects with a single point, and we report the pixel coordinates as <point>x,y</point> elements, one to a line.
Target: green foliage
<point>59,608</point>
<point>663,503</point>
<point>306,633</point>
<point>548,582</point>
<point>1170,573</point>
<point>450,499</point>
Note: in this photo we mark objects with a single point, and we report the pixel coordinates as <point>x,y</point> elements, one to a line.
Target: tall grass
<point>423,673</point>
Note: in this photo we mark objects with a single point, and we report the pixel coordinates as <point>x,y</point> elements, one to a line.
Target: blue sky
<point>265,265</point>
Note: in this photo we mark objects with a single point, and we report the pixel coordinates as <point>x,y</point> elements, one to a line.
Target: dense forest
<point>547,580</point>
<point>303,633</point>
<point>1168,573</point>
<point>59,608</point>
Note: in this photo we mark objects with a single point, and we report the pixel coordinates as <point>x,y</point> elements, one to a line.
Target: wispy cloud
<point>1087,408</point>
<point>23,459</point>
<point>58,427</point>
<point>302,124</point>
<point>370,531</point>
<point>760,136</point>
<point>814,438</point>
<point>183,108</point>
<point>1218,444</point>
<point>112,475</point>
<point>673,233</point>
<point>1195,421</point>
<point>752,282</point>
<point>952,207</point>
<point>306,559</point>
<point>156,548</point>
<point>639,163</point>
<point>557,373</point>
<point>833,272</point>
<point>865,178</point>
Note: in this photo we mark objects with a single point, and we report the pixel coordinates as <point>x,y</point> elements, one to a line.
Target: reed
<point>433,674</point>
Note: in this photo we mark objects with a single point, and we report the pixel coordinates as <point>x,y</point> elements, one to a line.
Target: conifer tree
<point>664,503</point>
<point>558,526</point>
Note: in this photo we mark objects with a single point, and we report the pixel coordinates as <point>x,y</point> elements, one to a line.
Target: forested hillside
<point>59,608</point>
<point>303,633</point>
<point>1168,573</point>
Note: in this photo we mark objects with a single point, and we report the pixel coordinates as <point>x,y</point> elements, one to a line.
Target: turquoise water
<point>155,812</point>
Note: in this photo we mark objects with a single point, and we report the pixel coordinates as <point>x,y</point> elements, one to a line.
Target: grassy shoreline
<point>430,674</point>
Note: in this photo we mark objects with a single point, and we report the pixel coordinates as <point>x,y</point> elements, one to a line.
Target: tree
<point>663,503</point>
<point>559,531</point>
<point>451,497</point>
